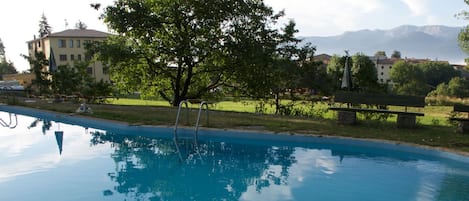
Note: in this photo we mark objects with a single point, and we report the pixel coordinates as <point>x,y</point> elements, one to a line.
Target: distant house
<point>383,68</point>
<point>68,47</point>
<point>462,69</point>
<point>24,79</point>
<point>384,65</point>
<point>324,58</point>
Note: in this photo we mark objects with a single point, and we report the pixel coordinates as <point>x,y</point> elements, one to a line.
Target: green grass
<point>434,115</point>
<point>428,133</point>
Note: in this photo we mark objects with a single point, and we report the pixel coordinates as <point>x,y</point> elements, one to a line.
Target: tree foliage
<point>396,54</point>
<point>76,81</point>
<point>335,70</point>
<point>408,79</point>
<point>44,27</point>
<point>2,51</point>
<point>81,25</point>
<point>37,62</point>
<point>456,87</point>
<point>187,49</point>
<point>437,72</point>
<point>380,53</point>
<point>6,67</point>
<point>363,72</point>
<point>463,37</point>
<point>364,75</point>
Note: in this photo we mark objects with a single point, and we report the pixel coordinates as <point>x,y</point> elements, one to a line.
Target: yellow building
<point>68,47</point>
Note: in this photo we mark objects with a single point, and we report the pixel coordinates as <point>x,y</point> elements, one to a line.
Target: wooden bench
<point>354,102</point>
<point>463,122</point>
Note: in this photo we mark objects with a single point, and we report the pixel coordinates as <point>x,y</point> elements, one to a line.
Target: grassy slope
<point>158,113</point>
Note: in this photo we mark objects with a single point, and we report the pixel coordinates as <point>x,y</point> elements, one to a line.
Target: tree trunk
<point>277,102</point>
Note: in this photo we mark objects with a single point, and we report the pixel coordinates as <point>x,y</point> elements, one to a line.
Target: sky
<point>20,18</point>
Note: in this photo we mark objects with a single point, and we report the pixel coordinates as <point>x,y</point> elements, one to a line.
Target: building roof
<point>386,61</point>
<point>81,33</point>
<point>324,58</point>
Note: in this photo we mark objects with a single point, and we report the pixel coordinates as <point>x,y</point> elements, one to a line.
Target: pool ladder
<point>175,137</point>
<point>9,125</point>
<point>184,102</point>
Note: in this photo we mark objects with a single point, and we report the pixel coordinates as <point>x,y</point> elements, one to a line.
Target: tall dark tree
<point>364,75</point>
<point>2,52</point>
<point>41,81</point>
<point>380,54</point>
<point>335,70</point>
<point>6,67</point>
<point>81,25</point>
<point>44,27</point>
<point>396,54</point>
<point>185,49</point>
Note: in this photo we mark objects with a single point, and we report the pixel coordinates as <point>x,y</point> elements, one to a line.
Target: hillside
<point>433,42</point>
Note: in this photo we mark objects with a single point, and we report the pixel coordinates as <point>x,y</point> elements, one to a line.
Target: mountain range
<point>433,42</point>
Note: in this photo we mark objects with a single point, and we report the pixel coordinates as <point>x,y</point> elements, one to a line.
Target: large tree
<point>6,67</point>
<point>80,25</point>
<point>463,36</point>
<point>363,72</point>
<point>364,75</point>
<point>37,62</point>
<point>185,49</point>
<point>438,72</point>
<point>44,27</point>
<point>408,79</point>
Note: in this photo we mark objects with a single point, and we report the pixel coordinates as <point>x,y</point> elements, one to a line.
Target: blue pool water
<point>50,157</point>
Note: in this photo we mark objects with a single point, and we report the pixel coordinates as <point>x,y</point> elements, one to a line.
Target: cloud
<point>326,17</point>
<point>417,7</point>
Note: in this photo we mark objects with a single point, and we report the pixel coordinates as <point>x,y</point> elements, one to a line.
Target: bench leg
<point>347,117</point>
<point>463,127</point>
<point>406,121</point>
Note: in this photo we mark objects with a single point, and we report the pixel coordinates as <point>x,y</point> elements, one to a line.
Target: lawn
<point>433,129</point>
<point>434,115</point>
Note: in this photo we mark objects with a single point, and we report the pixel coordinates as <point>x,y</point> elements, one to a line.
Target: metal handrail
<point>198,118</point>
<point>177,117</point>
<point>4,124</point>
<point>175,138</point>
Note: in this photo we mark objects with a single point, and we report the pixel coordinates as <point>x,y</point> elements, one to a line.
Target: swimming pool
<point>49,156</point>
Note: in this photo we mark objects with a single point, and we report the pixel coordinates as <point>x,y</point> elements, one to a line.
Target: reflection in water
<point>218,171</point>
<point>100,165</point>
<point>151,169</point>
<point>46,124</point>
<point>11,122</point>
<point>59,137</point>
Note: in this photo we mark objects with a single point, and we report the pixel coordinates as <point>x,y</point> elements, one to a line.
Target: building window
<point>87,42</point>
<point>381,80</point>
<point>62,43</point>
<point>105,69</point>
<point>87,57</point>
<point>382,73</point>
<point>79,57</point>
<point>72,57</point>
<point>382,67</point>
<point>78,43</point>
<point>70,43</point>
<point>63,57</point>
<point>89,70</point>
<point>390,67</point>
<point>39,43</point>
<point>30,46</point>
